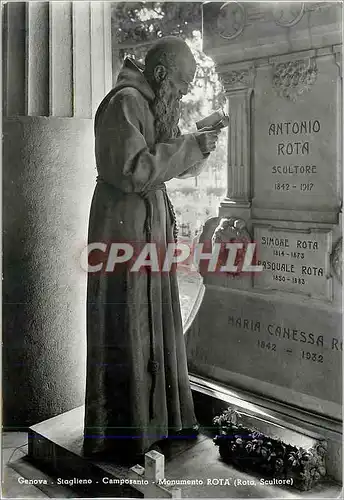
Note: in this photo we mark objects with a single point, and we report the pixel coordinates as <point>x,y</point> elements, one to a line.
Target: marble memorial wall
<point>278,332</point>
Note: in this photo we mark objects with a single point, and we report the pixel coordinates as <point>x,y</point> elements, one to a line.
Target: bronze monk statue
<point>137,387</point>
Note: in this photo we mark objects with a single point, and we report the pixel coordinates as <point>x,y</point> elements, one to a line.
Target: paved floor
<point>16,471</point>
<point>200,461</point>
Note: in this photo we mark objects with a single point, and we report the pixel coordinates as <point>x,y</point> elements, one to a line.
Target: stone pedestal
<point>192,468</point>
<point>278,333</point>
<point>56,69</point>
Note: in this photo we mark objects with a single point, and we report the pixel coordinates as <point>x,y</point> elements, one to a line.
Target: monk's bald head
<point>172,53</point>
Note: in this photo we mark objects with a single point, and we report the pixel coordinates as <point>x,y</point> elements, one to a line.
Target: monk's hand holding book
<point>207,139</point>
<point>209,129</point>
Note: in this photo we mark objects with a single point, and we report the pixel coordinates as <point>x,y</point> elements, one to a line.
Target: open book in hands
<point>217,120</point>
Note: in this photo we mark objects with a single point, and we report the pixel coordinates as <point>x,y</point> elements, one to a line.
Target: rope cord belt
<point>153,364</point>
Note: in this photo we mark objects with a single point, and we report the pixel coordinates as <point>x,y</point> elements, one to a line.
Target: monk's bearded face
<point>166,110</point>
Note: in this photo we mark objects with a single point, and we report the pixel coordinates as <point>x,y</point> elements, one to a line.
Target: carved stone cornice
<point>337,260</point>
<point>236,79</point>
<point>234,17</point>
<point>292,78</point>
<point>235,31</point>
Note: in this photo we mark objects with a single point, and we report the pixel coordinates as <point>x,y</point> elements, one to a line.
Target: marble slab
<point>291,352</point>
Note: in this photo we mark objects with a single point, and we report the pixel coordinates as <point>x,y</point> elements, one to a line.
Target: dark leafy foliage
<point>135,25</point>
<point>142,22</point>
<point>253,450</point>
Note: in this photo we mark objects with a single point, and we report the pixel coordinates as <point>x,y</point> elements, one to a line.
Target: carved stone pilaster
<point>238,84</point>
<point>239,181</point>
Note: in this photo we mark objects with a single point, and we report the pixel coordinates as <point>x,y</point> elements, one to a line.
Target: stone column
<point>238,86</point>
<point>57,68</point>
<point>339,62</point>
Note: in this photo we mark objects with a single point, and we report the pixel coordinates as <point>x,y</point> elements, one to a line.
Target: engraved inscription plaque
<point>294,260</point>
<point>296,135</point>
<point>290,349</point>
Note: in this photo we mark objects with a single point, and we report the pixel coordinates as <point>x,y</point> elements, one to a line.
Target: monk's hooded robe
<point>137,387</point>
